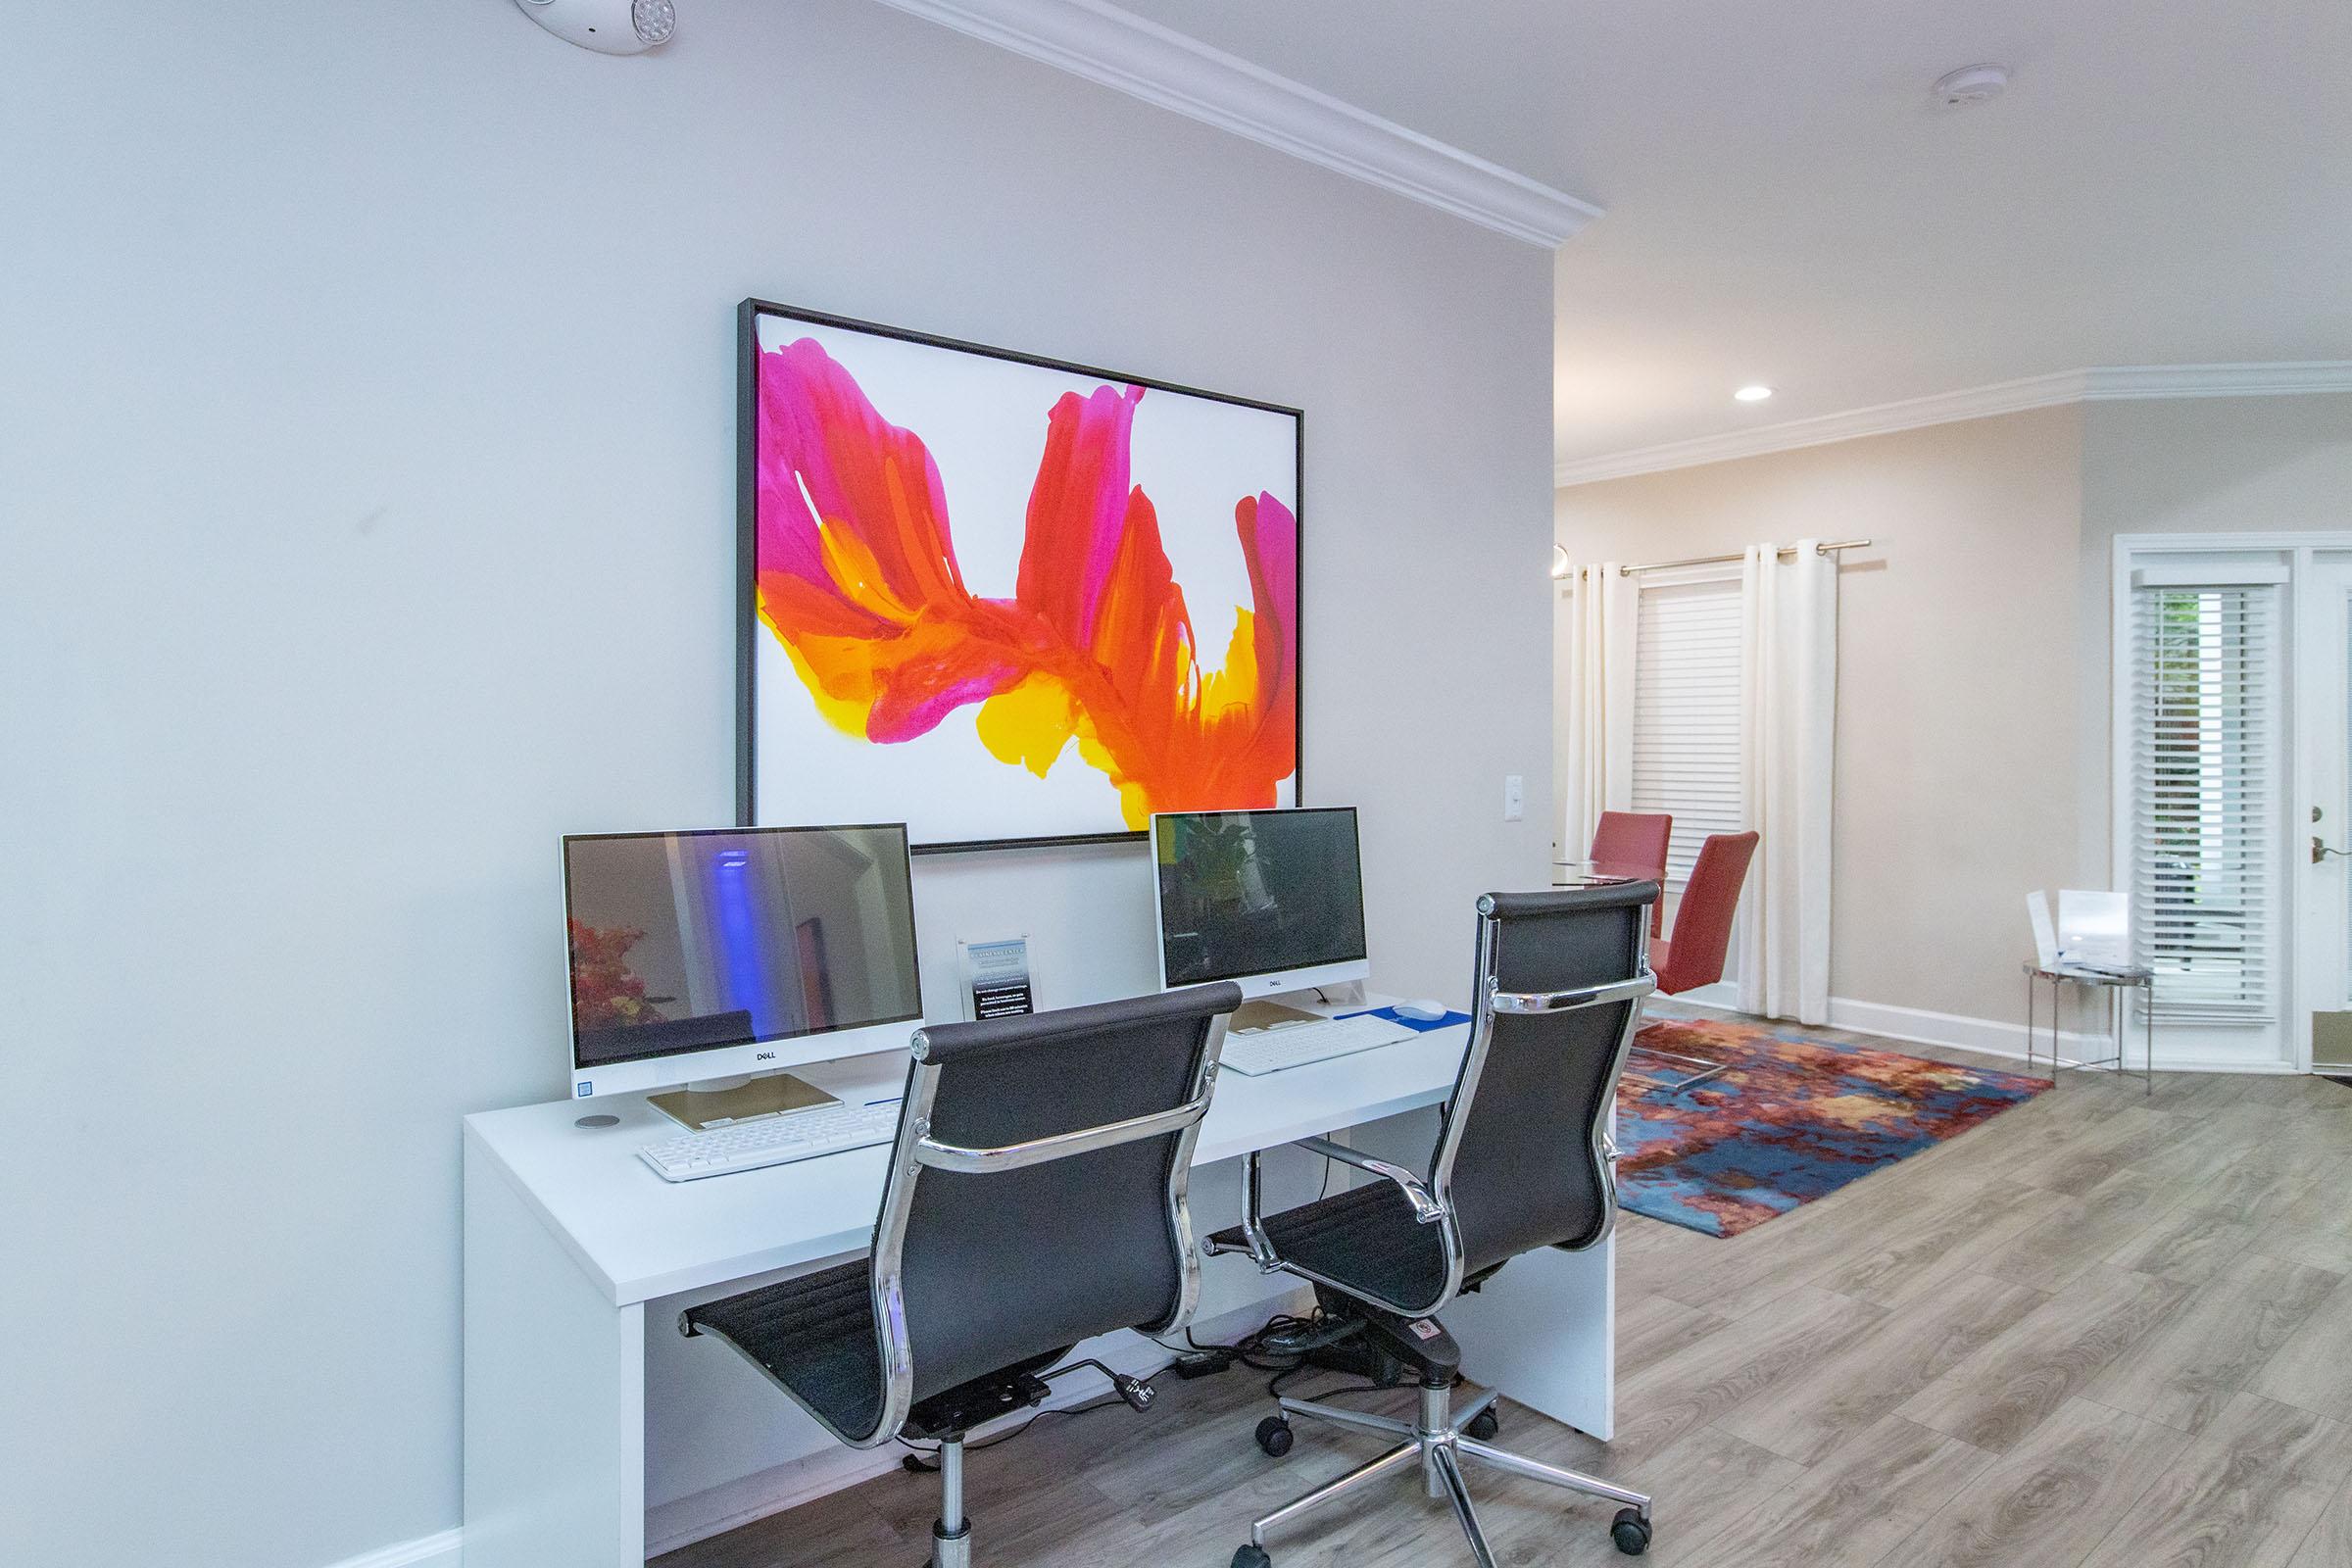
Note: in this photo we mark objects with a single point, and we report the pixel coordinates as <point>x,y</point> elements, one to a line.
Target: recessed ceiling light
<point>1752,394</point>
<point>1971,84</point>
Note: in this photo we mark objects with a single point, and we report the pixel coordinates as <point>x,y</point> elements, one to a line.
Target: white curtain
<point>1598,610</point>
<point>1788,679</point>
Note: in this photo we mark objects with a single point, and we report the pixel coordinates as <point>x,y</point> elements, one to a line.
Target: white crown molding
<point>2285,377</point>
<point>2108,384</point>
<point>1160,65</point>
<point>1975,402</point>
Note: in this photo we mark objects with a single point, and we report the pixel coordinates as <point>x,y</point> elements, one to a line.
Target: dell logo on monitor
<point>766,1055</point>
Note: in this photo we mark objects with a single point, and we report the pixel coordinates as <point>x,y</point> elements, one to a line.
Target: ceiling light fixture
<point>1752,394</point>
<point>607,26</point>
<point>1971,84</point>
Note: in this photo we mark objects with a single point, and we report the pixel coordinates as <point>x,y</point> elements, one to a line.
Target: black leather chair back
<point>1522,1157</point>
<point>1017,1251</point>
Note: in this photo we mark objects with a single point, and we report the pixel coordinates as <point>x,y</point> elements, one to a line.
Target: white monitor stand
<point>1277,982</point>
<point>709,1103</point>
<point>1268,1013</point>
<point>1273,1000</point>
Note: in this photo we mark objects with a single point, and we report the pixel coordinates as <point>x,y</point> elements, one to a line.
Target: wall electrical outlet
<point>1514,797</point>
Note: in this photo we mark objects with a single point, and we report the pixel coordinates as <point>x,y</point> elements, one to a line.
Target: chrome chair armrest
<point>1427,1210</point>
<point>1543,1002</point>
<point>1059,1146</point>
<point>1254,1219</point>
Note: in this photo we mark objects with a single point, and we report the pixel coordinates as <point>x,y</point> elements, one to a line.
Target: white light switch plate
<point>1514,797</point>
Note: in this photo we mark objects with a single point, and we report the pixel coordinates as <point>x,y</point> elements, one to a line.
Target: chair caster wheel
<point>1631,1531</point>
<point>1252,1557</point>
<point>1483,1425</point>
<point>1273,1435</point>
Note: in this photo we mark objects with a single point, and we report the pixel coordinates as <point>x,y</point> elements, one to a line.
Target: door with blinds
<point>2233,698</point>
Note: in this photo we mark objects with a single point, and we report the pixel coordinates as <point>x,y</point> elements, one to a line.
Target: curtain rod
<point>1829,549</point>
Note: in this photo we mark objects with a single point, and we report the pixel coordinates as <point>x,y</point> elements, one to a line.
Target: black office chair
<point>1523,1160</point>
<point>1036,1199</point>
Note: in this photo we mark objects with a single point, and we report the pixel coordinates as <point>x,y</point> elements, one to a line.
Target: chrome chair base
<point>1436,1444</point>
<point>1703,1069</point>
<point>952,1532</point>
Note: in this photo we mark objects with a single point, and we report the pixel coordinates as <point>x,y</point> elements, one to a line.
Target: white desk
<point>570,1242</point>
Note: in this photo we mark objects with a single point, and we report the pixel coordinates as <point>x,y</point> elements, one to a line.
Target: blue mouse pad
<point>1452,1020</point>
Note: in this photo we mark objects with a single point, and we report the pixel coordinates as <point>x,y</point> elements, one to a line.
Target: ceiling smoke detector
<point>1971,84</point>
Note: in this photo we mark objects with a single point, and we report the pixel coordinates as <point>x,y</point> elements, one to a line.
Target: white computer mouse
<point>1421,1012</point>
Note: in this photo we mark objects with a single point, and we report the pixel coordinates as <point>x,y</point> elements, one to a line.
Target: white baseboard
<point>724,1507</point>
<point>704,1514</point>
<point>738,1502</point>
<point>443,1549</point>
<point>1990,1037</point>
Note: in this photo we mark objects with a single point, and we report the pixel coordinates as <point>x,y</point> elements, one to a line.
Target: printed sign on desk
<point>996,978</point>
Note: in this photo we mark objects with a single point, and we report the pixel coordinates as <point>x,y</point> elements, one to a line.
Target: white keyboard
<point>1294,1044</point>
<point>773,1141</point>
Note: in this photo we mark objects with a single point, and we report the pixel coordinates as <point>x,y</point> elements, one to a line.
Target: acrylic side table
<point>2116,981</point>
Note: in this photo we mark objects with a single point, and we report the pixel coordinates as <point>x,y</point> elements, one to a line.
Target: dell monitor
<point>699,955</point>
<point>1273,900</point>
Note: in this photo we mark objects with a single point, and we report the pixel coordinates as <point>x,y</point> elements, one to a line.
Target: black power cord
<point>1136,1394</point>
<point>1280,1380</point>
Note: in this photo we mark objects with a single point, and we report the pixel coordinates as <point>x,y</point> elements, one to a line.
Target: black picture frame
<point>747,500</point>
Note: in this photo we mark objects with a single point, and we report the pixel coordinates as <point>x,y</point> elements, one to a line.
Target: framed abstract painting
<point>1004,599</point>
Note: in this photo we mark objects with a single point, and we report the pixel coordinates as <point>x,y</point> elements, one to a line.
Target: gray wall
<point>1955,712</point>
<point>1974,642</point>
<point>2276,465</point>
<point>367,483</point>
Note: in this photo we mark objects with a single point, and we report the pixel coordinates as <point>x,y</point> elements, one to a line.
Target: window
<point>2206,770</point>
<point>1686,712</point>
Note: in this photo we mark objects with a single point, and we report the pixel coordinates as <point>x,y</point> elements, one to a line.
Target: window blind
<point>1686,712</point>
<point>2207,764</point>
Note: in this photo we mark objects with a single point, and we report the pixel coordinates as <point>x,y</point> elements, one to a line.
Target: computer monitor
<point>698,956</point>
<point>1273,900</point>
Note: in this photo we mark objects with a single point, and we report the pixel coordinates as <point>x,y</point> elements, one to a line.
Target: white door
<point>2322,866</point>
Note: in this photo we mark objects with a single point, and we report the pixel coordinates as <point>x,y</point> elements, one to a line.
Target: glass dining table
<point>1591,874</point>
<point>1698,1069</point>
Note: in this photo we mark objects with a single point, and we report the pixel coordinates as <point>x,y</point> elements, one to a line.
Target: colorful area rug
<point>1794,1119</point>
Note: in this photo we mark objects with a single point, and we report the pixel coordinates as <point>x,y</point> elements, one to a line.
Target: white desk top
<point>640,1237</point>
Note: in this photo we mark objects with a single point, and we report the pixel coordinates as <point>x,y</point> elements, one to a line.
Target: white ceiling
<point>2167,181</point>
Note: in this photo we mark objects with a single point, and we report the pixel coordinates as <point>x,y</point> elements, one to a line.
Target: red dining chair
<point>1693,958</point>
<point>1703,920</point>
<point>1632,844</point>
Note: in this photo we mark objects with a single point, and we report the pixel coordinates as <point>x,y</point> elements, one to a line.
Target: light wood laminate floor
<point>2102,1330</point>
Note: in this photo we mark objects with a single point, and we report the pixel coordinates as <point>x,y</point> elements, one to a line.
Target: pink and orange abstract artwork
<point>968,604</point>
